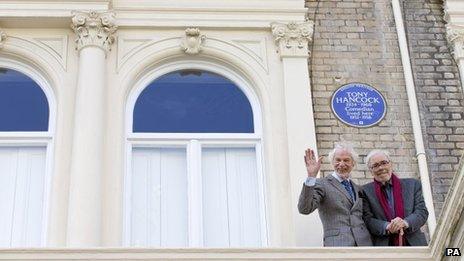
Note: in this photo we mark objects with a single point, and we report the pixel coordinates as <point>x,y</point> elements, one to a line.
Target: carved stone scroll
<point>94,29</point>
<point>193,41</point>
<point>292,38</point>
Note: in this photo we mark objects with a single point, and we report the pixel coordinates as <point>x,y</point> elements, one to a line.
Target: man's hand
<point>312,166</point>
<point>396,225</point>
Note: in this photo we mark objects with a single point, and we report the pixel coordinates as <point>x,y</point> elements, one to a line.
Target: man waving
<point>337,198</point>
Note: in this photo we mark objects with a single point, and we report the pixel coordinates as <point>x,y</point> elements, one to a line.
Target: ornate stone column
<point>455,35</point>
<point>292,41</point>
<point>94,33</point>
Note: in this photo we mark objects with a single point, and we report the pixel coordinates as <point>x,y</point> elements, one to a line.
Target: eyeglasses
<point>378,164</point>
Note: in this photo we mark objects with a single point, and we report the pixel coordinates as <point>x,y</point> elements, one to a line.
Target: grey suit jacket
<point>415,213</point>
<point>340,216</point>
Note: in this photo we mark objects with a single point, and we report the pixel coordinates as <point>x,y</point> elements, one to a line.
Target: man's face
<point>343,163</point>
<point>381,167</point>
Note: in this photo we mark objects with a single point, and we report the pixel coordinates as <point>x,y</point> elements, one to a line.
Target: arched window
<point>24,144</point>
<point>23,104</point>
<point>193,101</point>
<point>194,176</point>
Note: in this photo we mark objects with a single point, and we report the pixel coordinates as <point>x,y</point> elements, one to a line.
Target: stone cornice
<point>292,39</point>
<point>47,10</point>
<point>94,29</point>
<point>455,36</point>
<point>161,13</point>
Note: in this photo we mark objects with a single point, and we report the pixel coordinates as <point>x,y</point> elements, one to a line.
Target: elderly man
<point>393,206</point>
<point>336,197</point>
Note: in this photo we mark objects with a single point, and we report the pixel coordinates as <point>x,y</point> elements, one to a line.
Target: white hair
<point>374,152</point>
<point>346,147</point>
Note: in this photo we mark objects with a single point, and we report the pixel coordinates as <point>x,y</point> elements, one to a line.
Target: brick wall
<point>356,41</point>
<point>439,94</point>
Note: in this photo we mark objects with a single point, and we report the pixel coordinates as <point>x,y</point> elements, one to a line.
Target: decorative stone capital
<point>292,39</point>
<point>2,38</point>
<point>193,41</point>
<point>455,36</point>
<point>94,29</point>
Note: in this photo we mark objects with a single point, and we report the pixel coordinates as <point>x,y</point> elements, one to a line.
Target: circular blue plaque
<point>358,105</point>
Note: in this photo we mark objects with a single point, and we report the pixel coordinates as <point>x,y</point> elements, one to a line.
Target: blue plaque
<point>358,105</point>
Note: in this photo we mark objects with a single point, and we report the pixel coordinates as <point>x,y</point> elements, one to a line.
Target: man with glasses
<point>394,209</point>
<point>336,197</point>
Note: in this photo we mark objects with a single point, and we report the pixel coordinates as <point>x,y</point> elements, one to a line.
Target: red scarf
<point>397,198</point>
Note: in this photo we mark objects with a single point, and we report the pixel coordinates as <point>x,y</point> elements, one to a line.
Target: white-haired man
<point>337,198</point>
<point>393,206</point>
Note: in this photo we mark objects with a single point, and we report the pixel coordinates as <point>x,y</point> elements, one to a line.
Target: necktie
<point>347,186</point>
<point>387,189</point>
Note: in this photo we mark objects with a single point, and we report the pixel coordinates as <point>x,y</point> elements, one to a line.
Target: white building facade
<point>113,165</point>
<point>94,74</point>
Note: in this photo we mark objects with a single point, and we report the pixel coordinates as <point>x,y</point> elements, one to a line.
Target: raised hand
<point>312,165</point>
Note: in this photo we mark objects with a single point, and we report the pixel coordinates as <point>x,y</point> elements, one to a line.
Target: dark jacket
<point>415,213</point>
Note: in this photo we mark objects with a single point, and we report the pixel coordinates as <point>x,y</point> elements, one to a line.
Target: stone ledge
<point>338,253</point>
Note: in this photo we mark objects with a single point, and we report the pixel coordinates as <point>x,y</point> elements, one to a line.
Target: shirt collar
<point>337,177</point>
<point>388,184</point>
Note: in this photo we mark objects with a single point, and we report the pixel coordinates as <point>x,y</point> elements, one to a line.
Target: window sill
<point>338,253</point>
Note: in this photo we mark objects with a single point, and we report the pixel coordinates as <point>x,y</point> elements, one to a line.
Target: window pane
<point>159,216</point>
<point>231,209</point>
<point>23,104</point>
<point>22,177</point>
<point>193,101</point>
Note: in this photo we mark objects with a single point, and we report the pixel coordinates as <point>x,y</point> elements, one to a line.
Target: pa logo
<point>452,252</point>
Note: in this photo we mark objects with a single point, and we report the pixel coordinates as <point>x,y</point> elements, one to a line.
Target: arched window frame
<point>194,142</point>
<point>35,139</point>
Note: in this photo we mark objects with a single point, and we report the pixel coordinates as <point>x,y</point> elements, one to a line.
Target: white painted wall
<point>236,42</point>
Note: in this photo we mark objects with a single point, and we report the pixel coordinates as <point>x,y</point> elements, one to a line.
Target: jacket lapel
<point>377,207</point>
<point>339,187</point>
<point>407,193</point>
<point>356,193</point>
